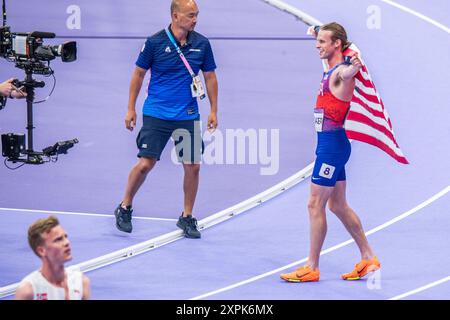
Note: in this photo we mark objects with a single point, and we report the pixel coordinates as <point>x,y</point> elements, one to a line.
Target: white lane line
<point>334,248</point>
<point>417,14</point>
<point>80,214</point>
<point>423,288</point>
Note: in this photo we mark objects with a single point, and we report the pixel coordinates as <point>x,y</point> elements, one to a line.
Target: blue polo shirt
<point>169,92</point>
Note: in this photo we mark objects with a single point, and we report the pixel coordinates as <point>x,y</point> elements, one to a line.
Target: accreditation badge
<point>197,88</point>
<point>318,119</point>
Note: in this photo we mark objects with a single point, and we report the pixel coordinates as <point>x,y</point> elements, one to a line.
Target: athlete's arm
<point>24,291</point>
<point>212,89</point>
<point>348,72</point>
<point>86,288</point>
<point>135,87</point>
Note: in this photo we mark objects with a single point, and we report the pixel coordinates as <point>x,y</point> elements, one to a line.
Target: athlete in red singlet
<point>328,181</point>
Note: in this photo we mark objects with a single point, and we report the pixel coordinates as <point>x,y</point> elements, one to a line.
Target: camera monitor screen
<point>20,45</point>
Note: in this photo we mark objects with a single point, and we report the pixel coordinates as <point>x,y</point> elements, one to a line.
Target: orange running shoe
<point>362,268</point>
<point>302,274</point>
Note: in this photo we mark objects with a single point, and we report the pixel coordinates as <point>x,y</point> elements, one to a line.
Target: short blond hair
<point>337,32</point>
<point>38,228</point>
<point>174,6</point>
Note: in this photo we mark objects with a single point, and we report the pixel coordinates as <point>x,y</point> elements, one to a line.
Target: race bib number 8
<point>326,171</point>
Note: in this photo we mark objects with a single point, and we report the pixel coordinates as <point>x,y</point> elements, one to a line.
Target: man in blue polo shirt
<point>175,56</point>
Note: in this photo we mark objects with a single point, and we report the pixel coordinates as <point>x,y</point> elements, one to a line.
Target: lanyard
<point>183,58</point>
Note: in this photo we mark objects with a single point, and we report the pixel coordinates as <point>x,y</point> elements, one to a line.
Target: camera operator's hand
<point>18,93</point>
<point>6,87</point>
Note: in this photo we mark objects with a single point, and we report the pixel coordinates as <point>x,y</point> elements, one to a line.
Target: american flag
<point>368,120</point>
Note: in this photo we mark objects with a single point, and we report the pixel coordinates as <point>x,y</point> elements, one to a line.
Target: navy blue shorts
<point>333,151</point>
<point>155,133</point>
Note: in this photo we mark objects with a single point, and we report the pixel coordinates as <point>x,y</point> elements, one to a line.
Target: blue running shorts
<point>332,153</point>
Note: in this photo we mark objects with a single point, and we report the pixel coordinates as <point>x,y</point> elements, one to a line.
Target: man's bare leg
<point>136,178</point>
<point>318,222</point>
<point>190,186</point>
<point>339,206</point>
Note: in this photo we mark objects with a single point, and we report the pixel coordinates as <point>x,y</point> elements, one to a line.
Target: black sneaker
<point>189,226</point>
<point>123,218</point>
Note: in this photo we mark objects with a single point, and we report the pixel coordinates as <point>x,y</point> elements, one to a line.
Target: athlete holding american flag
<point>348,106</point>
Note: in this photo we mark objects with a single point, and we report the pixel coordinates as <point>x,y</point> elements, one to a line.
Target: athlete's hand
<point>212,122</point>
<point>130,120</point>
<point>313,31</point>
<point>355,61</point>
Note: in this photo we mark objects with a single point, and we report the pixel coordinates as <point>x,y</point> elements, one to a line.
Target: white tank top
<point>44,290</point>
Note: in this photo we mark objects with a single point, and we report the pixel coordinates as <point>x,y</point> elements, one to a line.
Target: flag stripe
<point>364,69</point>
<point>365,83</point>
<point>373,141</point>
<point>367,89</point>
<point>386,115</point>
<point>358,108</point>
<point>358,117</point>
<point>367,130</point>
<point>368,104</point>
<point>364,75</point>
<point>369,97</point>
